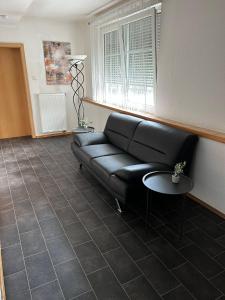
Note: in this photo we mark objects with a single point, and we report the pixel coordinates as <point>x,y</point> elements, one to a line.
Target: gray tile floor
<point>62,238</point>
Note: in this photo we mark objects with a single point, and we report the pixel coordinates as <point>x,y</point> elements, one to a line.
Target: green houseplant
<point>178,169</point>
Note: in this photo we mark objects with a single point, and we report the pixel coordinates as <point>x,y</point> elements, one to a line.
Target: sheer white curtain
<point>124,58</point>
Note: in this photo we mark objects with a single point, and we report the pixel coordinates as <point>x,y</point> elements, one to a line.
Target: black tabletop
<point>161,182</point>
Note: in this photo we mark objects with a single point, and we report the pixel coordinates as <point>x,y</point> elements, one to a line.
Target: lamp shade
<point>76,58</point>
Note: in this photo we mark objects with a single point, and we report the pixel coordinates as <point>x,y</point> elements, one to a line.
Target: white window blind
<point>158,19</point>
<point>127,58</point>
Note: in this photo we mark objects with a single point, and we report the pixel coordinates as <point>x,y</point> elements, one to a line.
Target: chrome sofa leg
<point>118,206</point>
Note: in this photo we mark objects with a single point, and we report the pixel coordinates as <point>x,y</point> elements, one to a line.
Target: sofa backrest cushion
<point>155,142</point>
<point>120,129</point>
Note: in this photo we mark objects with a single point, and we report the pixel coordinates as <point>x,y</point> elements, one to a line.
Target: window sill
<point>202,132</point>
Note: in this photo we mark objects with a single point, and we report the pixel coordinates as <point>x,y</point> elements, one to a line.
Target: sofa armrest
<point>135,173</point>
<point>90,138</point>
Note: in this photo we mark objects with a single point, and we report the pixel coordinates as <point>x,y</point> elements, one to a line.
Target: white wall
<point>191,85</point>
<point>191,67</point>
<point>31,32</point>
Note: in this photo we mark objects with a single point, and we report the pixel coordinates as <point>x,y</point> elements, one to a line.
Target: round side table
<point>161,182</point>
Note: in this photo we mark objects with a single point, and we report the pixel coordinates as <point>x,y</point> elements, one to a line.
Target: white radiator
<point>53,112</point>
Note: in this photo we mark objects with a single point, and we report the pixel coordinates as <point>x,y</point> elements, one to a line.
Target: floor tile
<point>66,216</point>
<point>205,242</point>
<point>49,163</point>
<point>133,245</point>
<point>44,212</point>
<point>69,192</point>
<point>7,218</point>
<point>52,190</point>
<point>51,228</point>
<point>12,260</point>
<point>27,222</point>
<point>90,257</point>
<point>23,207</point>
<point>221,298</point>
<point>103,209</point>
<point>34,188</point>
<point>11,166</point>
<point>116,225</point>
<point>173,237</point>
<point>221,241</point>
<point>104,239</point>
<point>5,204</point>
<point>38,201</point>
<point>221,259</point>
<point>129,216</point>
<point>79,203</point>
<point>208,226</point>
<point>86,296</point>
<point>219,282</point>
<point>77,234</point>
<point>16,286</point>
<point>166,253</point>
<point>122,265</point>
<point>19,193</point>
<point>91,195</point>
<point>32,242</point>
<point>90,220</point>
<point>50,291</point>
<point>72,279</point>
<point>110,289</point>
<point>159,276</point>
<point>39,269</point>
<point>213,217</point>
<point>46,180</point>
<point>204,263</point>
<point>9,236</point>
<point>146,234</point>
<point>82,184</point>
<point>140,289</point>
<point>196,283</point>
<point>60,250</point>
<point>177,294</point>
<point>222,225</point>
<point>58,201</point>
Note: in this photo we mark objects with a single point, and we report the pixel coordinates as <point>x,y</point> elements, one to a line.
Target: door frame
<point>20,46</point>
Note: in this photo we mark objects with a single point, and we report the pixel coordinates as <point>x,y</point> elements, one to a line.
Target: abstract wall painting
<point>56,64</point>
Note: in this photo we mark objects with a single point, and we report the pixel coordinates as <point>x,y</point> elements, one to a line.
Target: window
<point>127,54</point>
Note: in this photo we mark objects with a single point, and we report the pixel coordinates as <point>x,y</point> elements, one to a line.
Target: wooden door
<point>14,113</point>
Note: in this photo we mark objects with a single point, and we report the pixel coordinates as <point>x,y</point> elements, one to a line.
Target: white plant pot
<point>175,179</point>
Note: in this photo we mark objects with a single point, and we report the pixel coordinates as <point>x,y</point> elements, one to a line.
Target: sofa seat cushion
<point>94,151</point>
<point>108,165</point>
<point>135,173</point>
<point>86,153</point>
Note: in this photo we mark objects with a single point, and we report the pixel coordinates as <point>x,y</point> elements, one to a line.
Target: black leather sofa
<point>129,148</point>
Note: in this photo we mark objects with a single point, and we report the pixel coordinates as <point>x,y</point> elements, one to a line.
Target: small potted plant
<point>178,169</point>
<point>84,123</point>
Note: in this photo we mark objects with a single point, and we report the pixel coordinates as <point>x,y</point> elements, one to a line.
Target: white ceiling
<point>51,9</point>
